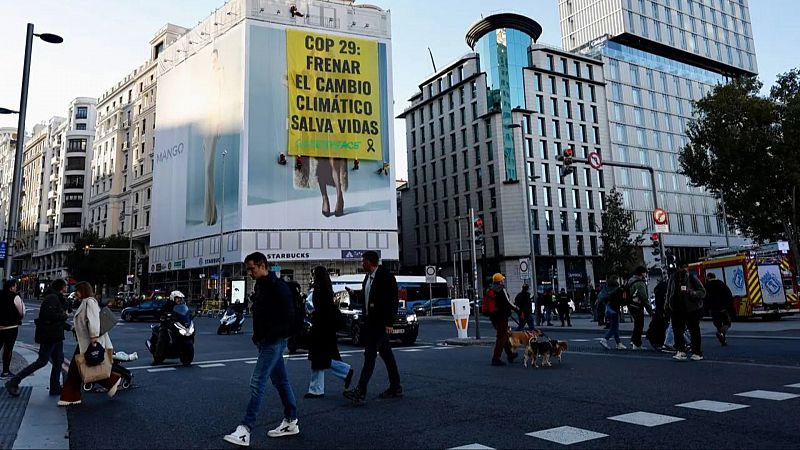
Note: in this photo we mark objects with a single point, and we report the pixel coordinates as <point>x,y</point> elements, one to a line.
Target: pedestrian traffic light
<point>282,159</point>
<point>655,242</point>
<point>355,164</point>
<point>479,238</point>
<point>298,163</point>
<point>568,159</point>
<point>670,258</point>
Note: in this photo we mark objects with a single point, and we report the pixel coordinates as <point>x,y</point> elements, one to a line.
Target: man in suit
<point>379,289</point>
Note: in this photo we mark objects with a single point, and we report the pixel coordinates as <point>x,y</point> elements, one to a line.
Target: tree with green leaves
<point>620,244</point>
<point>99,266</point>
<point>745,147</point>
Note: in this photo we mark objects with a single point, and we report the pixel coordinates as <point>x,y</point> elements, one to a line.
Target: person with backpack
<point>12,311</point>
<point>639,301</point>
<point>49,334</point>
<point>381,301</point>
<point>323,351</point>
<point>273,318</point>
<point>612,297</point>
<point>656,331</point>
<point>562,306</point>
<point>685,294</point>
<point>523,303</point>
<point>719,302</point>
<point>497,305</point>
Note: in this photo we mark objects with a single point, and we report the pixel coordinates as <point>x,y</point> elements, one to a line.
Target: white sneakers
<point>241,436</point>
<point>604,343</point>
<point>695,357</point>
<point>680,356</point>
<point>287,427</point>
<point>621,346</point>
<point>636,347</point>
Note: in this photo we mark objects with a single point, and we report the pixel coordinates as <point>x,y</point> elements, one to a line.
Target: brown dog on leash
<point>545,349</point>
<point>519,339</point>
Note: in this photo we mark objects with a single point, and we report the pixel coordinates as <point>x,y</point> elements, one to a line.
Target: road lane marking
<point>161,369</point>
<point>796,385</point>
<point>713,406</point>
<point>206,366</point>
<point>251,362</point>
<point>630,355</point>
<point>566,435</point>
<point>474,446</point>
<point>409,350</point>
<point>646,419</point>
<point>767,395</point>
<point>579,340</point>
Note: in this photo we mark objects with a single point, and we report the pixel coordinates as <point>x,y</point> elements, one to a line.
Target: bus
<point>412,290</point>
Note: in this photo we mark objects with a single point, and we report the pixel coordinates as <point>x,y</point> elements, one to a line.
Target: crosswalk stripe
<point>251,362</point>
<point>713,406</point>
<point>646,419</point>
<point>408,350</point>
<point>474,446</point>
<point>161,369</point>
<point>206,366</point>
<point>566,435</point>
<point>767,395</point>
<point>796,385</point>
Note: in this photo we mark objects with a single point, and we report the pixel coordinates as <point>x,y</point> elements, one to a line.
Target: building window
<point>80,126</point>
<point>81,112</point>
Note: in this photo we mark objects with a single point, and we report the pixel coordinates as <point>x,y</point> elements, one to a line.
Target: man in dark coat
<point>523,302</point>
<point>381,301</point>
<point>719,302</point>
<point>562,305</point>
<point>684,302</point>
<point>50,327</point>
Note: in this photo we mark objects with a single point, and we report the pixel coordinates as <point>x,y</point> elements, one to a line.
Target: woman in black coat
<point>323,351</point>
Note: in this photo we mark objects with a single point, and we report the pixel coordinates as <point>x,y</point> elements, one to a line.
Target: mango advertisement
<point>334,103</point>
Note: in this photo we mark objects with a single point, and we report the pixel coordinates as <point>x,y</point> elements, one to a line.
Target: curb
<point>44,425</point>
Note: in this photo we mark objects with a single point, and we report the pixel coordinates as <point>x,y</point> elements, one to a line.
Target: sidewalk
<point>32,420</point>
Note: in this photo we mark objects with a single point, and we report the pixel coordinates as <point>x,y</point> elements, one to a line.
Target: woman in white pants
<point>323,351</point>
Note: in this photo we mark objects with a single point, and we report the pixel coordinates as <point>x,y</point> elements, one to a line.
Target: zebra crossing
<point>570,435</point>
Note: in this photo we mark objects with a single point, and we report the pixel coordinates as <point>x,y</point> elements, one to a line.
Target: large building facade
<point>273,134</point>
<point>486,132</point>
<point>659,57</point>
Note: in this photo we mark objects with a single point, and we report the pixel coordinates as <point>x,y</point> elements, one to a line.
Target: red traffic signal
<point>478,223</point>
<point>654,237</point>
<point>569,153</point>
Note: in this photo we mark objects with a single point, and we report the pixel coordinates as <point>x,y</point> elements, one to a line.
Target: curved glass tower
<point>502,42</point>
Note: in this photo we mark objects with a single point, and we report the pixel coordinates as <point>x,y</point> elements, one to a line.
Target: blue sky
<point>106,39</point>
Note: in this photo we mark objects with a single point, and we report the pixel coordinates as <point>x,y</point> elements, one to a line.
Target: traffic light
<point>670,258</point>
<point>568,159</point>
<point>479,238</point>
<point>282,159</point>
<point>655,242</point>
<point>298,163</point>
<point>86,250</point>
<point>355,164</point>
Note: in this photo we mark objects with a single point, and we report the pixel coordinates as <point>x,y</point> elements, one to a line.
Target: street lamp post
<point>221,221</point>
<point>16,183</point>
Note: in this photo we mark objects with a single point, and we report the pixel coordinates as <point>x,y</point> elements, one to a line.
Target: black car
<point>441,306</point>
<point>148,310</point>
<point>405,327</point>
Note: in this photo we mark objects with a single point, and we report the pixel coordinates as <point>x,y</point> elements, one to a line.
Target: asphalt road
<point>453,397</point>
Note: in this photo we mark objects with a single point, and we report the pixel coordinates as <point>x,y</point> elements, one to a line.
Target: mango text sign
<point>334,96</point>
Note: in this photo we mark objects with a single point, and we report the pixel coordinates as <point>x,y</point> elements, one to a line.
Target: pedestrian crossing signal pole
<point>475,273</point>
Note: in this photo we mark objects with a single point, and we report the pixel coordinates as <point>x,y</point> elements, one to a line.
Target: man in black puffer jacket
<point>50,327</point>
<point>273,314</point>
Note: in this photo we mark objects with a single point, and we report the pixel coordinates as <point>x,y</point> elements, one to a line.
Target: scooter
<point>173,337</point>
<point>125,374</point>
<point>229,323</point>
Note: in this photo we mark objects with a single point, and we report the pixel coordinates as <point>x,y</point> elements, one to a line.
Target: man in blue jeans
<point>273,312</point>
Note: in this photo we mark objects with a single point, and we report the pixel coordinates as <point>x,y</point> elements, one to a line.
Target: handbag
<point>107,319</point>
<point>91,374</point>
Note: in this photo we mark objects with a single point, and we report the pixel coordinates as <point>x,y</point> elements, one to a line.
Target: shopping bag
<point>91,374</point>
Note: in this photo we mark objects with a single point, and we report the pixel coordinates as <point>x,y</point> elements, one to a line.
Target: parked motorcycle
<point>173,337</point>
<point>230,322</point>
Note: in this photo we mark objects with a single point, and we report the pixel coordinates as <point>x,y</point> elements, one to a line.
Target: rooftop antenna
<point>432,61</point>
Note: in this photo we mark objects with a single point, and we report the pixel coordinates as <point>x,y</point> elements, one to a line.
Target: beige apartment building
<point>121,171</point>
